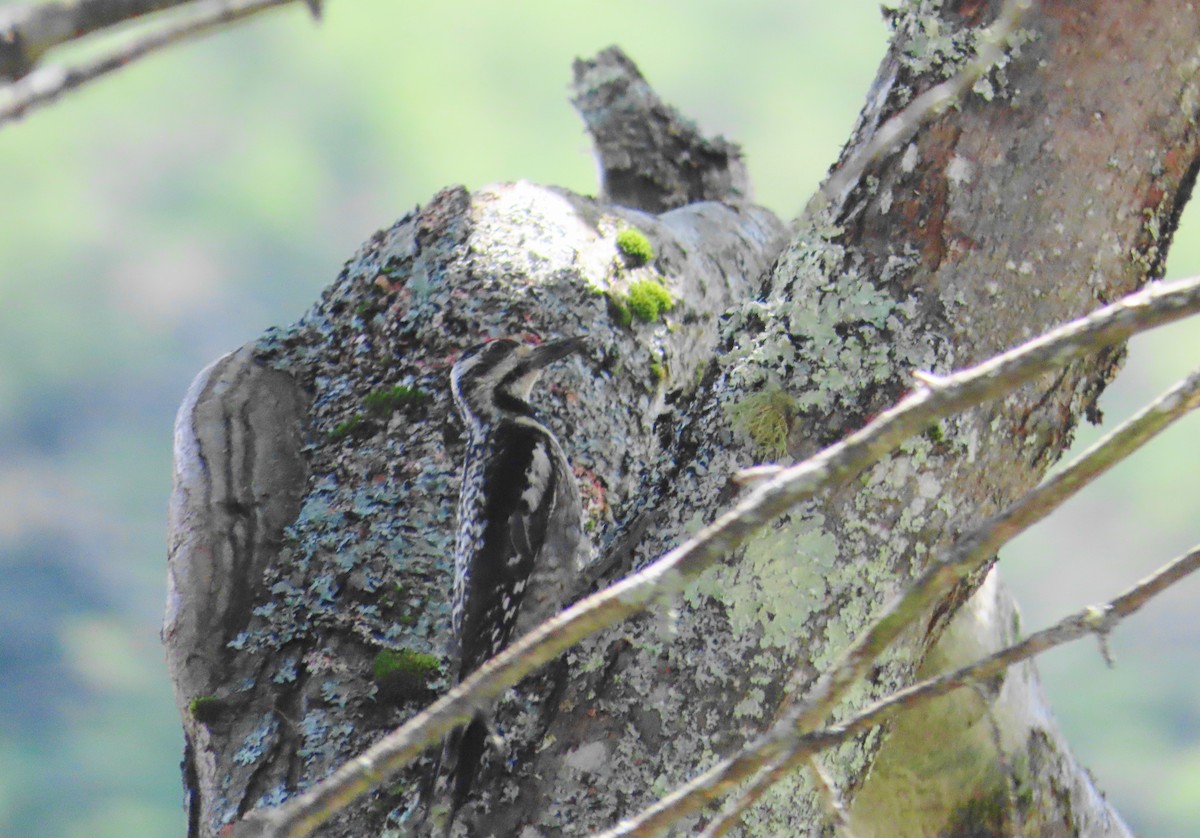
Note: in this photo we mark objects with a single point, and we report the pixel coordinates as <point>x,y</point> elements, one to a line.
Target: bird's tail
<point>468,744</point>
<point>453,776</point>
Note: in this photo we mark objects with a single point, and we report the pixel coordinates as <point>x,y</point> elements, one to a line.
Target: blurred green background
<point>173,211</point>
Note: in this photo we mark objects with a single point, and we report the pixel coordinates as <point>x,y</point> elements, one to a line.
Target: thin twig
<point>901,127</point>
<point>46,84</point>
<point>28,31</point>
<point>830,796</point>
<point>1099,620</point>
<point>967,556</point>
<point>1157,304</point>
<point>831,799</point>
<point>752,793</point>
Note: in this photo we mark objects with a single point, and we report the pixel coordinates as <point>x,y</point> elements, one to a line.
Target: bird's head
<point>495,378</point>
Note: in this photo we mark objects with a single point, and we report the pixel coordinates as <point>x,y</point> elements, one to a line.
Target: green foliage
<point>635,246</point>
<point>648,300</point>
<point>403,674</point>
<point>384,402</point>
<point>418,666</point>
<point>765,417</point>
<point>618,310</point>
<point>353,426</point>
<point>205,708</point>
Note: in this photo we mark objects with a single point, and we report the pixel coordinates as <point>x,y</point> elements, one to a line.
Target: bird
<point>520,549</point>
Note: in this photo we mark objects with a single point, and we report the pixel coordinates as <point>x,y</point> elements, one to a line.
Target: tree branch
<point>761,759</point>
<point>27,32</point>
<point>1158,304</point>
<point>651,157</point>
<point>1098,620</point>
<point>931,103</point>
<point>44,85</point>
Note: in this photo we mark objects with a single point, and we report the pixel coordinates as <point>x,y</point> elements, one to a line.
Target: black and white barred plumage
<point>519,521</point>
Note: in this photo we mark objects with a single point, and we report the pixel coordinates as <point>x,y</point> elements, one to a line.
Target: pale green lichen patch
<point>835,335</point>
<point>837,342</point>
<point>930,44</point>
<point>751,705</point>
<point>776,813</point>
<point>778,583</point>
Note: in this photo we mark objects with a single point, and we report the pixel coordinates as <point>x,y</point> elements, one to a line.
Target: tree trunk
<point>317,468</point>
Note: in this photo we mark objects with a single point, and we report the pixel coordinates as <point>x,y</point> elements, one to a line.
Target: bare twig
<point>28,31</point>
<point>931,103</point>
<point>46,84</point>
<point>830,796</point>
<point>1095,620</point>
<point>751,794</point>
<point>967,556</point>
<point>826,790</point>
<point>1099,620</point>
<point>1157,304</point>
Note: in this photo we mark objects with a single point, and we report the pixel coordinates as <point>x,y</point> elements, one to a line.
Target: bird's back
<point>518,550</point>
<point>517,556</point>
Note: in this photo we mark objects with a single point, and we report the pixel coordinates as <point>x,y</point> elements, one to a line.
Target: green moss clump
<point>635,246</point>
<point>618,310</point>
<point>384,402</point>
<point>648,300</point>
<point>766,417</point>
<point>657,372</point>
<point>354,426</point>
<point>404,665</point>
<point>206,708</point>
<point>935,432</point>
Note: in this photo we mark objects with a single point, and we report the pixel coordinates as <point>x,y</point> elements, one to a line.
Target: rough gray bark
<point>1055,186</point>
<point>650,156</point>
<point>287,677</point>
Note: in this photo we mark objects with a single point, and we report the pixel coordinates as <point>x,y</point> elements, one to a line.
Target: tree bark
<point>312,523</point>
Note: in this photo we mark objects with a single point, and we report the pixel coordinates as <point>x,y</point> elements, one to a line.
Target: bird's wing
<point>520,482</point>
<point>528,521</point>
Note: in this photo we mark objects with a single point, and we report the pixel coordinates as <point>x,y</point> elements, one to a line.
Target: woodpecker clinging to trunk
<point>519,549</point>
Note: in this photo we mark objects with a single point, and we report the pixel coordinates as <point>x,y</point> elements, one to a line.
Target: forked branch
<point>933,399</point>
<point>44,85</point>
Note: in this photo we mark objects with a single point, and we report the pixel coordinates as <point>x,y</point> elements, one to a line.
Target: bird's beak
<point>547,353</point>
